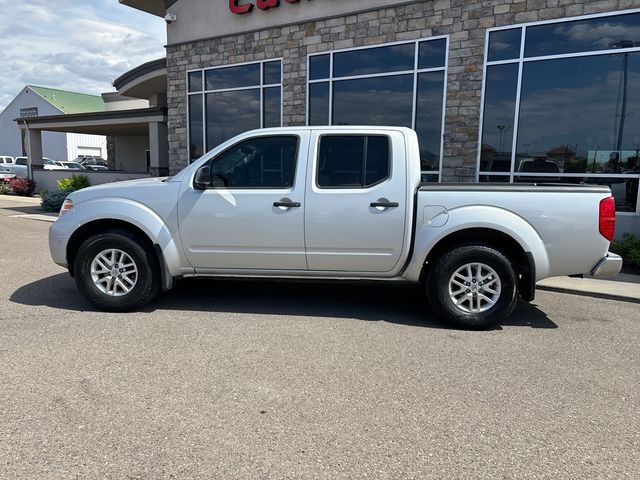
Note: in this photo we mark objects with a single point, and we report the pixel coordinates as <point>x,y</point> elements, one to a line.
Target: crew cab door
<point>251,213</point>
<point>356,201</point>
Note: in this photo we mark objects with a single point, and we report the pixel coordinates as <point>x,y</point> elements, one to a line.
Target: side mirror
<point>202,179</point>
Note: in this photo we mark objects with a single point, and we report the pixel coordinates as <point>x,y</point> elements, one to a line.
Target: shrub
<point>52,201</point>
<point>76,182</point>
<point>4,188</point>
<point>23,187</point>
<point>629,250</point>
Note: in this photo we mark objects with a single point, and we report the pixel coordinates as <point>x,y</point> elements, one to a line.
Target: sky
<point>73,45</point>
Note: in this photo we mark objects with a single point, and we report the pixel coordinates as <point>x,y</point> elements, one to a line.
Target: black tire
<point>442,271</point>
<point>147,283</point>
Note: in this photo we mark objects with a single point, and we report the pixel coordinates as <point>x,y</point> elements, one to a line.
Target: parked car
<point>6,160</point>
<point>6,174</point>
<point>332,203</point>
<point>72,165</point>
<point>96,167</point>
<point>14,167</point>
<point>87,160</point>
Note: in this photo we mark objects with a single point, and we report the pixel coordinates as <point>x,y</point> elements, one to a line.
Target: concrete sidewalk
<point>622,287</point>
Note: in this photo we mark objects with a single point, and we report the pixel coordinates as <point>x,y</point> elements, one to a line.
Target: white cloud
<point>79,46</point>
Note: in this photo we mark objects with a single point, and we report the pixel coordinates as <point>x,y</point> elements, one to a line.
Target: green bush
<point>52,201</point>
<point>629,250</point>
<point>4,188</point>
<point>76,182</point>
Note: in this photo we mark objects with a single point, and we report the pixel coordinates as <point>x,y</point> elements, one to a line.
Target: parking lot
<point>251,379</point>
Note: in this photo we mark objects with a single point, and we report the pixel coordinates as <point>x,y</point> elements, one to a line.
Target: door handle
<point>384,204</point>
<point>286,204</point>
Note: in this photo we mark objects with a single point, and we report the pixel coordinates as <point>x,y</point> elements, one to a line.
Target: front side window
<point>223,102</point>
<point>263,162</point>
<point>353,161</point>
<point>563,108</point>
<point>400,84</point>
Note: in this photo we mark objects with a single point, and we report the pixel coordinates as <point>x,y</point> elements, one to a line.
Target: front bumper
<point>59,234</point>
<point>609,266</point>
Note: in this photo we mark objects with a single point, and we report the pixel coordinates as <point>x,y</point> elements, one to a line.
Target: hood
<point>126,189</point>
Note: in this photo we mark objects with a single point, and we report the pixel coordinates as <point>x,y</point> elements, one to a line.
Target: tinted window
<point>429,118</point>
<point>604,33</point>
<point>196,146</point>
<point>233,77</point>
<point>350,161</point>
<point>318,67</point>
<point>580,114</point>
<point>231,113</point>
<point>499,115</point>
<point>393,58</point>
<point>504,44</point>
<point>319,103</point>
<point>266,162</point>
<point>272,107</point>
<point>432,54</point>
<point>374,101</point>
<point>195,81</point>
<point>271,74</point>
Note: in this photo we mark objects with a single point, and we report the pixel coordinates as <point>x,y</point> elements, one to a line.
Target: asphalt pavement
<point>292,380</point>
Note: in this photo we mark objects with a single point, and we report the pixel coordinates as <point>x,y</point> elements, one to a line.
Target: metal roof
<point>70,102</point>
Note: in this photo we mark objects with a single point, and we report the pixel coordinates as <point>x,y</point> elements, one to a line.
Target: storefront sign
<point>236,7</point>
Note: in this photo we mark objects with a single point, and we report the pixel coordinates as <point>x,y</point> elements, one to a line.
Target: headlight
<point>66,207</point>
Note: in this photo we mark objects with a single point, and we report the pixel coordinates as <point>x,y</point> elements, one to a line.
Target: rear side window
<point>353,161</point>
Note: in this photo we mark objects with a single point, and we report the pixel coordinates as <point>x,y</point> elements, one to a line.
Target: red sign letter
<point>239,9</point>
<point>267,4</point>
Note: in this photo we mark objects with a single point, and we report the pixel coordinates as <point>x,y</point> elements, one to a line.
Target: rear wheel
<point>474,286</point>
<point>117,271</point>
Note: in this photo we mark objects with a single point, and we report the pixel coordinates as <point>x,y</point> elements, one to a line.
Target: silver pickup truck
<point>338,203</point>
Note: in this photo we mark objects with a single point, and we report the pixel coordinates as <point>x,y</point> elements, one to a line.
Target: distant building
<point>34,101</point>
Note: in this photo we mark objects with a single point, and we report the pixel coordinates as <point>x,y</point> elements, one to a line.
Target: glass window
<point>591,34</point>
<point>429,118</point>
<point>393,58</point>
<point>233,77</point>
<point>504,44</point>
<point>263,162</point>
<point>499,114</point>
<point>195,81</point>
<point>374,101</point>
<point>319,67</point>
<point>244,97</point>
<point>231,113</point>
<point>579,113</point>
<point>319,103</point>
<point>353,161</point>
<point>272,73</point>
<point>272,105</point>
<point>196,139</point>
<point>432,54</point>
<point>382,96</point>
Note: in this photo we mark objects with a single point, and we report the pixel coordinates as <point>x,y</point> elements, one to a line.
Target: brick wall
<point>465,21</point>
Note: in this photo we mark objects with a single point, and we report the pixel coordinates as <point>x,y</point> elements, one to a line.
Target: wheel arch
<point>97,226</point>
<point>517,254</point>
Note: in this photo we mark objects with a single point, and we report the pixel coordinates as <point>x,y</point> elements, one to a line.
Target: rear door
<point>356,201</point>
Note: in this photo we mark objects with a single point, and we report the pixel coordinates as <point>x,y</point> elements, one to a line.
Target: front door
<point>252,214</point>
<point>356,203</point>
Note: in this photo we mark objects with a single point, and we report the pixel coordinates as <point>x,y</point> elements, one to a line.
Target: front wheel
<point>474,286</point>
<point>117,271</point>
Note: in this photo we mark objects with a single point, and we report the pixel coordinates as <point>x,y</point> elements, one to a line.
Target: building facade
<point>497,90</point>
<point>34,101</point>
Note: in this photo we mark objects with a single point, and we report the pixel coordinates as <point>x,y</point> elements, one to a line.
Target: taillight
<point>607,217</point>
<point>66,207</point>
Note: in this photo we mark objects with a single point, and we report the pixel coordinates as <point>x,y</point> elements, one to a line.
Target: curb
<point>584,293</point>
